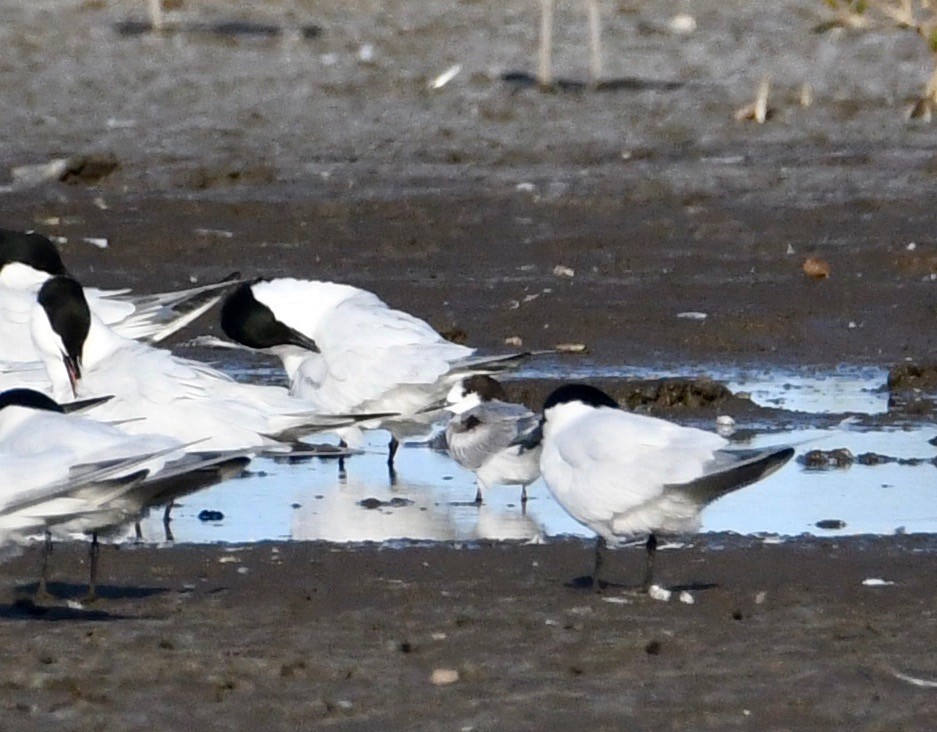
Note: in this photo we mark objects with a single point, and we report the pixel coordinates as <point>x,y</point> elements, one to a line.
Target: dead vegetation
<point>919,16</point>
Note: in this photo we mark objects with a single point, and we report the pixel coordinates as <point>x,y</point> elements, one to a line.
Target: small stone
<point>207,515</point>
<point>686,598</point>
<point>656,592</point>
<point>514,341</point>
<point>816,268</point>
<point>444,676</point>
<point>563,271</point>
<point>652,648</point>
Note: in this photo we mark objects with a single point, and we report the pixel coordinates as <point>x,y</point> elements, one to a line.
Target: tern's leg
<point>544,69</point>
<point>523,496</point>
<point>42,592</point>
<point>595,41</point>
<point>392,449</point>
<point>93,552</point>
<point>137,532</point>
<point>479,499</point>
<point>599,562</point>
<point>166,522</point>
<point>649,567</point>
<point>341,461</point>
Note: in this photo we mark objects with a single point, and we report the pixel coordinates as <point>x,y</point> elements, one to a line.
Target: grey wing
<point>733,469</point>
<point>474,436</point>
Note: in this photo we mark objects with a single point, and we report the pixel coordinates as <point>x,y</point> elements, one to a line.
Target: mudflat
<point>302,139</point>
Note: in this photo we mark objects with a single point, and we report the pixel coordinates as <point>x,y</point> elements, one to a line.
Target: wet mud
<point>639,220</point>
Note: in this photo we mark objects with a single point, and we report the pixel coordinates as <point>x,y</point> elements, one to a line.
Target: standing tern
<point>484,435</point>
<point>155,391</point>
<point>627,475</point>
<point>345,351</point>
<point>63,474</point>
<point>28,259</point>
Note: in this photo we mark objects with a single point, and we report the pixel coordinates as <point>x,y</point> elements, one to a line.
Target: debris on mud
<point>827,459</point>
<point>89,169</point>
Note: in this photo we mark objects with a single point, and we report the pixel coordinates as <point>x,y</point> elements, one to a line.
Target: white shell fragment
<point>686,597</point>
<point>876,582</point>
<point>682,24</point>
<point>915,681</point>
<point>96,241</point>
<point>444,676</point>
<point>570,347</point>
<point>656,592</point>
<point>563,271</point>
<point>692,315</point>
<point>617,600</point>
<point>724,420</point>
<point>445,77</point>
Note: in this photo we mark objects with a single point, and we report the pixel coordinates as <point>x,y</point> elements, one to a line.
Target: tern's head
<point>27,259</point>
<point>250,322</point>
<point>472,391</point>
<point>571,400</point>
<point>60,328</point>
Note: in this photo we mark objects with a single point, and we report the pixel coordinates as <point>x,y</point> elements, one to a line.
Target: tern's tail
<point>734,469</point>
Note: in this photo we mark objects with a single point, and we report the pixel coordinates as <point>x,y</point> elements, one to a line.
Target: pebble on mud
<point>207,515</point>
<point>444,676</point>
<point>816,268</point>
<point>563,271</point>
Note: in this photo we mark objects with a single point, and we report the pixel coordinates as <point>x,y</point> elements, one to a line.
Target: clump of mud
<point>911,387</point>
<point>669,395</point>
<point>911,376</point>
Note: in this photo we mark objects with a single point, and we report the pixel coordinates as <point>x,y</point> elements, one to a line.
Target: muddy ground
<point>278,150</point>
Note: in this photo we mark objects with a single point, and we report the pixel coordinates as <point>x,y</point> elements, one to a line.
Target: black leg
<point>341,461</point>
<point>93,572</point>
<point>599,562</point>
<point>523,496</point>
<point>392,449</point>
<point>42,592</point>
<point>649,566</point>
<point>166,522</point>
<point>137,532</point>
<point>478,495</point>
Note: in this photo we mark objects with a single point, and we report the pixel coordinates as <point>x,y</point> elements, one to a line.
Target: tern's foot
<point>90,596</point>
<point>42,596</point>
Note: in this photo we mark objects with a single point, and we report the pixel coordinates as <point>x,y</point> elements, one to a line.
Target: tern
<point>626,475</point>
<point>28,259</point>
<point>346,351</point>
<point>155,391</point>
<point>484,435</point>
<point>63,474</point>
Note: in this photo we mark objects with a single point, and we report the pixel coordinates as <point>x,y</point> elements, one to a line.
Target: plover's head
<point>251,323</point>
<point>472,391</point>
<point>27,259</point>
<point>60,327</point>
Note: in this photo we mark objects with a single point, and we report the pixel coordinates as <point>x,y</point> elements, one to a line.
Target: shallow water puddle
<point>431,500</point>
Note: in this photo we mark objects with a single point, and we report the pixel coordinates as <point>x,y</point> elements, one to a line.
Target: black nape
<point>579,393</point>
<point>32,249</point>
<point>29,398</point>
